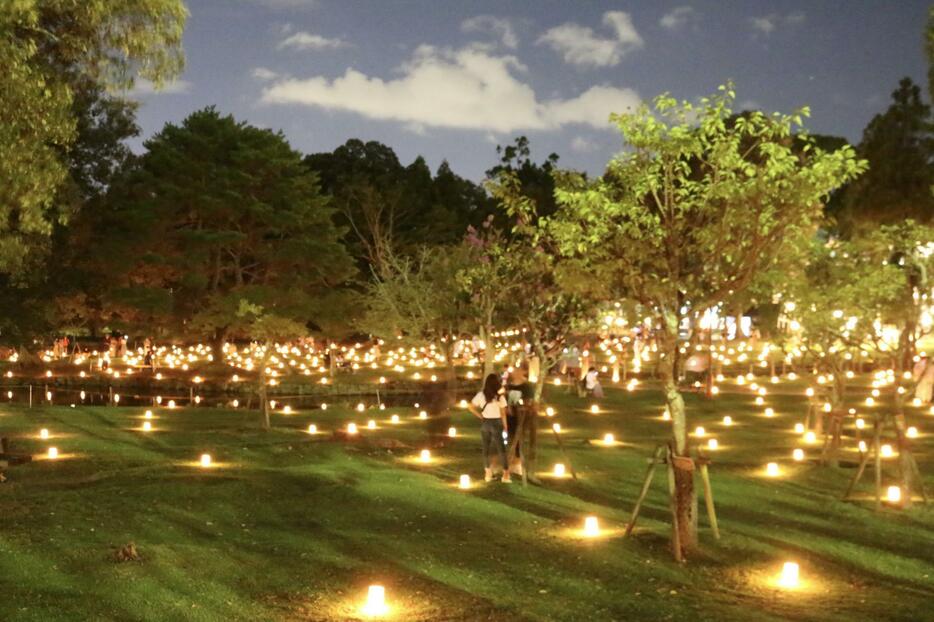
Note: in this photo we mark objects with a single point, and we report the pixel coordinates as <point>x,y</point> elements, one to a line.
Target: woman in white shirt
<point>490,407</point>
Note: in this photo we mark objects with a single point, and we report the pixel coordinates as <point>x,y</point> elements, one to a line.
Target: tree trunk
<point>487,338</point>
<point>685,497</point>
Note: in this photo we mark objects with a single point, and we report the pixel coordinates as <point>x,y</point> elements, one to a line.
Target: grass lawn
<point>290,526</point>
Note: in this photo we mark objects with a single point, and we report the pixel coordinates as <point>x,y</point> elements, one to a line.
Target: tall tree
<point>218,212</point>
<point>688,216</point>
<point>391,209</point>
<point>899,146</point>
<point>48,46</point>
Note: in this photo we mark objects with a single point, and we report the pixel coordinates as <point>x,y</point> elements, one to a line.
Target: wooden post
<point>877,432</point>
<point>564,454</point>
<point>673,503</point>
<point>708,497</point>
<point>30,396</point>
<point>859,473</point>
<point>653,462</point>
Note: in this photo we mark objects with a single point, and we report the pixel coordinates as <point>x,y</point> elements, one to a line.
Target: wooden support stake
<point>673,502</point>
<point>708,499</point>
<point>650,472</point>
<point>564,454</point>
<point>877,433</point>
<point>859,473</point>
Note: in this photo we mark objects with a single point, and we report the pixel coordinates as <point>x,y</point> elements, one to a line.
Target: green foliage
<point>390,209</point>
<point>699,206</point>
<point>218,212</point>
<point>899,146</point>
<point>420,297</point>
<point>49,46</point>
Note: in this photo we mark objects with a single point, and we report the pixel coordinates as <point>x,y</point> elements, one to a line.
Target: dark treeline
<point>216,211</point>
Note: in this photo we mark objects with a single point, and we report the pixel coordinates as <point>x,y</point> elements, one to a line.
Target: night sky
<point>451,79</point>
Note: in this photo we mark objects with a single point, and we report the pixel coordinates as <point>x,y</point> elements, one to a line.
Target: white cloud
<point>678,18</point>
<point>308,41</point>
<point>582,145</point>
<point>287,4</point>
<point>579,45</point>
<point>145,87</point>
<point>469,88</point>
<point>499,27</point>
<point>767,24</point>
<point>262,73</point>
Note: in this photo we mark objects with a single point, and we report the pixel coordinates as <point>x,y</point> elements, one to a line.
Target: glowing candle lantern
<point>394,419</point>
<point>886,451</point>
<point>375,601</point>
<point>760,401</point>
<point>893,494</point>
<point>452,432</point>
<point>699,431</point>
<point>591,527</point>
<point>870,401</point>
<point>550,412</point>
<point>799,428</point>
<point>425,456</point>
<point>556,427</point>
<point>715,390</point>
<point>769,412</point>
<point>53,453</point>
<point>351,428</point>
<point>464,482</point>
<point>862,446</point>
<point>860,423</point>
<point>608,439</point>
<point>559,470</point>
<point>666,416</point>
<point>423,415</point>
<point>728,420</point>
<point>371,424</point>
<point>171,403</point>
<point>147,426</point>
<point>771,469</point>
<point>44,433</point>
<point>287,410</point>
<point>810,437</point>
<point>789,577</point>
<point>798,454</point>
<point>312,428</point>
<point>205,460</point>
<point>324,406</point>
<point>712,444</point>
<point>463,404</point>
<point>360,407</point>
<point>911,432</point>
<point>594,409</point>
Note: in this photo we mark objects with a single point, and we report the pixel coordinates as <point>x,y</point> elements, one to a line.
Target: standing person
<point>490,407</point>
<point>592,385</point>
<point>517,393</point>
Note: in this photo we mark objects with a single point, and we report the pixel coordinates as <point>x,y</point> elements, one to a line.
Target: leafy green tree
<point>268,326</point>
<point>390,209</point>
<point>899,146</point>
<point>219,212</point>
<point>689,215</point>
<point>421,299</point>
<point>833,303</point>
<point>490,278</point>
<point>48,47</point>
